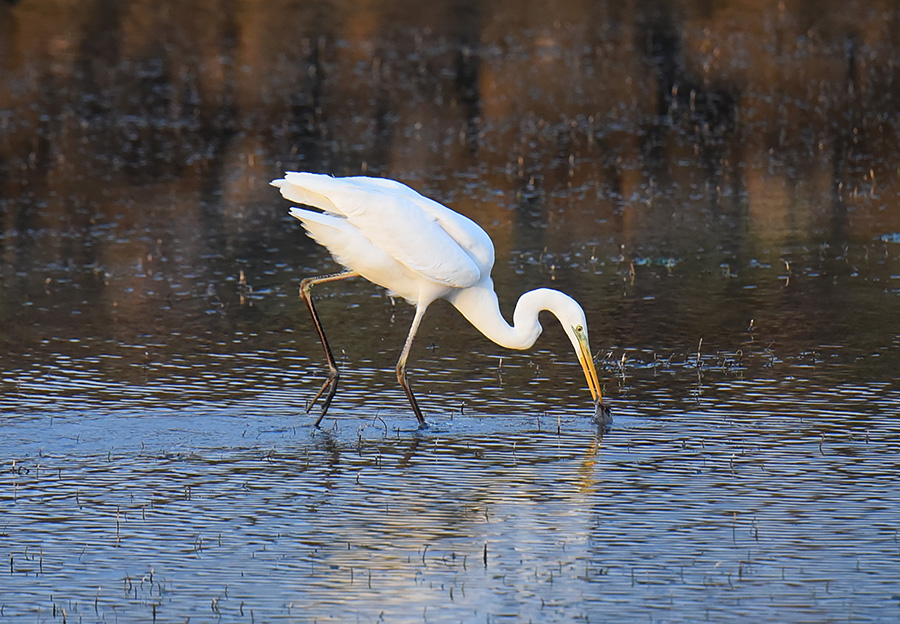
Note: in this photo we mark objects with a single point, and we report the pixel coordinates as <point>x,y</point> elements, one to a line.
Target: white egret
<point>420,250</point>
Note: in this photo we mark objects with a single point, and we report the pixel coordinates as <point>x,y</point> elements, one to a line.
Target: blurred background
<point>682,168</point>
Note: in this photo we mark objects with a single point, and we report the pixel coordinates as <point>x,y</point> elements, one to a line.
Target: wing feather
<point>468,234</point>
<point>392,217</point>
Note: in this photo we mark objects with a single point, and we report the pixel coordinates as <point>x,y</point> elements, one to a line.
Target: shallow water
<point>717,184</point>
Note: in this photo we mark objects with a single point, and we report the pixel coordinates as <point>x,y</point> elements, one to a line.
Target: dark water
<point>715,182</point>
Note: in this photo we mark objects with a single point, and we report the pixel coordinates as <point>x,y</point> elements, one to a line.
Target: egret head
<point>571,316</point>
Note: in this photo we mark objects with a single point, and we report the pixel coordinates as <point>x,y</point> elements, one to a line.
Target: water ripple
<point>506,513</point>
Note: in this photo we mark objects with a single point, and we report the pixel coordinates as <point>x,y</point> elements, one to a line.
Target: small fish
<point>602,414</point>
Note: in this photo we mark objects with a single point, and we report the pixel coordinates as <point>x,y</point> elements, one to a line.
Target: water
<point>716,184</point>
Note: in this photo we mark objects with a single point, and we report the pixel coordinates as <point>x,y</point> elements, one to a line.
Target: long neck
<point>480,307</point>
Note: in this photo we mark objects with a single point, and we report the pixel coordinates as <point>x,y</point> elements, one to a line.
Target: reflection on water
<point>723,509</point>
<point>716,182</point>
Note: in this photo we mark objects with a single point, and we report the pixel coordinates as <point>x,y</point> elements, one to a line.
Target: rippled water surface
<point>715,182</point>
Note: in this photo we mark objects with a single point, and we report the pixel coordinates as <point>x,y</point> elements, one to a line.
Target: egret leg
<point>401,364</point>
<point>331,383</point>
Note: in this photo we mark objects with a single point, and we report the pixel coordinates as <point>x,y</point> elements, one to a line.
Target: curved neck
<point>480,307</point>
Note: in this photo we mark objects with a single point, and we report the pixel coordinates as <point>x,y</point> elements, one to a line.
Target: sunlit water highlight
<point>719,507</point>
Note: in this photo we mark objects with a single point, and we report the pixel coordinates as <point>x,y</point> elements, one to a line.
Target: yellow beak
<point>590,373</point>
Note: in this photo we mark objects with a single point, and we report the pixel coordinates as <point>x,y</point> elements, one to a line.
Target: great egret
<point>420,250</point>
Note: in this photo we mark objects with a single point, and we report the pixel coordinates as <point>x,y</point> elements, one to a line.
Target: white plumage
<point>420,250</point>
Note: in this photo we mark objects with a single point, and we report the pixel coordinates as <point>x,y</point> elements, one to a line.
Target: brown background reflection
<point>588,138</point>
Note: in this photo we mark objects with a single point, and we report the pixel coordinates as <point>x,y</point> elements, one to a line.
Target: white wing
<point>424,236</point>
<point>463,230</point>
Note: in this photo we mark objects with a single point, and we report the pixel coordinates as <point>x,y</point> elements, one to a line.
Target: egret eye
<point>579,329</point>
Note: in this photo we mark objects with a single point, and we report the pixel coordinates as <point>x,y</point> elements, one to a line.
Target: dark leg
<point>331,383</point>
<point>401,365</point>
